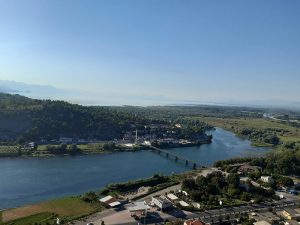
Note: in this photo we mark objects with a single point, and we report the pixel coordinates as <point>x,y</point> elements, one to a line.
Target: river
<point>30,180</point>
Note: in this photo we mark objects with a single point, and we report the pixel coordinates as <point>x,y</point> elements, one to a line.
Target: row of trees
<point>268,135</point>
<point>282,161</point>
<point>63,149</point>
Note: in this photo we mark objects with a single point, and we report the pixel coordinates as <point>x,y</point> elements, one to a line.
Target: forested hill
<point>23,119</point>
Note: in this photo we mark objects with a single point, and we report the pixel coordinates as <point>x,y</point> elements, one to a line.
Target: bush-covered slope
<point>23,119</point>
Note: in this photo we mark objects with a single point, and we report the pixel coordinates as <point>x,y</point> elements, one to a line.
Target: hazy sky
<point>221,51</point>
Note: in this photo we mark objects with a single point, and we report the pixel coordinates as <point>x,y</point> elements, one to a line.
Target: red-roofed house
<point>194,222</point>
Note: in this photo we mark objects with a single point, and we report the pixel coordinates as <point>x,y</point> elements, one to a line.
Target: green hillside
<point>23,119</point>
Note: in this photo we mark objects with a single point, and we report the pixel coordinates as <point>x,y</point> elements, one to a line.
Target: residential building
<point>291,214</point>
<point>110,201</point>
<point>262,223</point>
<point>184,204</point>
<point>193,222</point>
<point>161,202</point>
<point>172,197</point>
<point>65,140</point>
<point>292,222</point>
<point>31,144</point>
<point>138,209</point>
<point>265,216</point>
<point>266,179</point>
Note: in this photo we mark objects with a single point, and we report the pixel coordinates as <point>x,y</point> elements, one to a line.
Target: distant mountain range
<point>102,98</point>
<point>31,90</point>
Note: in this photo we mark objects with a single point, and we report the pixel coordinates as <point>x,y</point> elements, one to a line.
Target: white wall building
<point>161,202</point>
<point>266,179</point>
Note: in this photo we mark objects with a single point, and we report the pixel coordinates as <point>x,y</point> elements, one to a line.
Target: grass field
<point>288,132</point>
<point>66,208</point>
<point>40,218</point>
<point>8,150</point>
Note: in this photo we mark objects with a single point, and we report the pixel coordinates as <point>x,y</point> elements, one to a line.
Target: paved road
<point>233,212</point>
<point>123,216</point>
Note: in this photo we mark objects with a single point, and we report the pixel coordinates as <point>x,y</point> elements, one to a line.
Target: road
<point>157,217</point>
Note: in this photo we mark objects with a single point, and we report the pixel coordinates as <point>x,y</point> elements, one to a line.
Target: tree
<point>188,184</point>
<point>90,197</point>
<point>73,149</point>
<point>285,181</point>
<point>233,179</point>
<point>201,181</point>
<point>290,145</point>
<point>245,196</point>
<point>109,146</point>
<point>232,191</point>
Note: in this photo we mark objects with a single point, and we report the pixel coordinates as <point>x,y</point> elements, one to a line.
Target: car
<point>89,224</point>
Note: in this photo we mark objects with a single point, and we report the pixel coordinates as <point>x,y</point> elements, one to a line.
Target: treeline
<point>174,112</point>
<point>283,161</point>
<point>210,189</point>
<point>193,129</point>
<point>24,119</point>
<point>134,185</point>
<point>267,135</point>
<point>63,149</point>
<point>222,163</point>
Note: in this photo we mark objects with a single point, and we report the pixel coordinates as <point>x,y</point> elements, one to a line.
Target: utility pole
<point>136,136</point>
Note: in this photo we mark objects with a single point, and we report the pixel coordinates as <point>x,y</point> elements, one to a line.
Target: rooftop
<point>193,222</point>
<point>183,203</point>
<point>105,199</point>
<point>172,197</point>
<point>161,199</point>
<point>138,206</point>
<point>262,223</point>
<point>292,212</point>
<point>265,216</point>
<point>114,204</point>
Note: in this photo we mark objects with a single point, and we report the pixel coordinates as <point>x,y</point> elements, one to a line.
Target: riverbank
<point>67,209</point>
<point>76,207</point>
<point>91,149</point>
<point>82,149</point>
<point>38,179</point>
<point>261,131</point>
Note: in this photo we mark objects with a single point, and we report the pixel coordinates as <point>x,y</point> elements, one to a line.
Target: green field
<point>9,150</point>
<point>40,218</point>
<point>285,132</point>
<point>65,208</point>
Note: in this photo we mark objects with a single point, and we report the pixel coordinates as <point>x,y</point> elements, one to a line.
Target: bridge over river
<point>175,157</point>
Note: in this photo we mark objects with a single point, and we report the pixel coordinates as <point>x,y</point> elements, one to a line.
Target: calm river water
<point>29,180</point>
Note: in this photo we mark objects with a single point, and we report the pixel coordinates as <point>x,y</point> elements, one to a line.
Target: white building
<point>193,222</point>
<point>184,204</point>
<point>138,209</point>
<point>172,197</point>
<point>266,179</point>
<point>161,202</point>
<point>110,201</point>
<point>65,140</point>
<point>262,223</point>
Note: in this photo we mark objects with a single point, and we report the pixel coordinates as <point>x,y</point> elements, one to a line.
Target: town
<point>263,200</point>
<point>166,135</point>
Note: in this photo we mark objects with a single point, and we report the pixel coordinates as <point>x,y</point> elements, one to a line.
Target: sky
<point>154,52</point>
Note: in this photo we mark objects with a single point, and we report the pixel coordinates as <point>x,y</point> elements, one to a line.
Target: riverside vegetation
<point>25,119</point>
<point>72,208</point>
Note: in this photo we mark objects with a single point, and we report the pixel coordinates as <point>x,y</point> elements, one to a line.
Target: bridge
<point>175,157</point>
